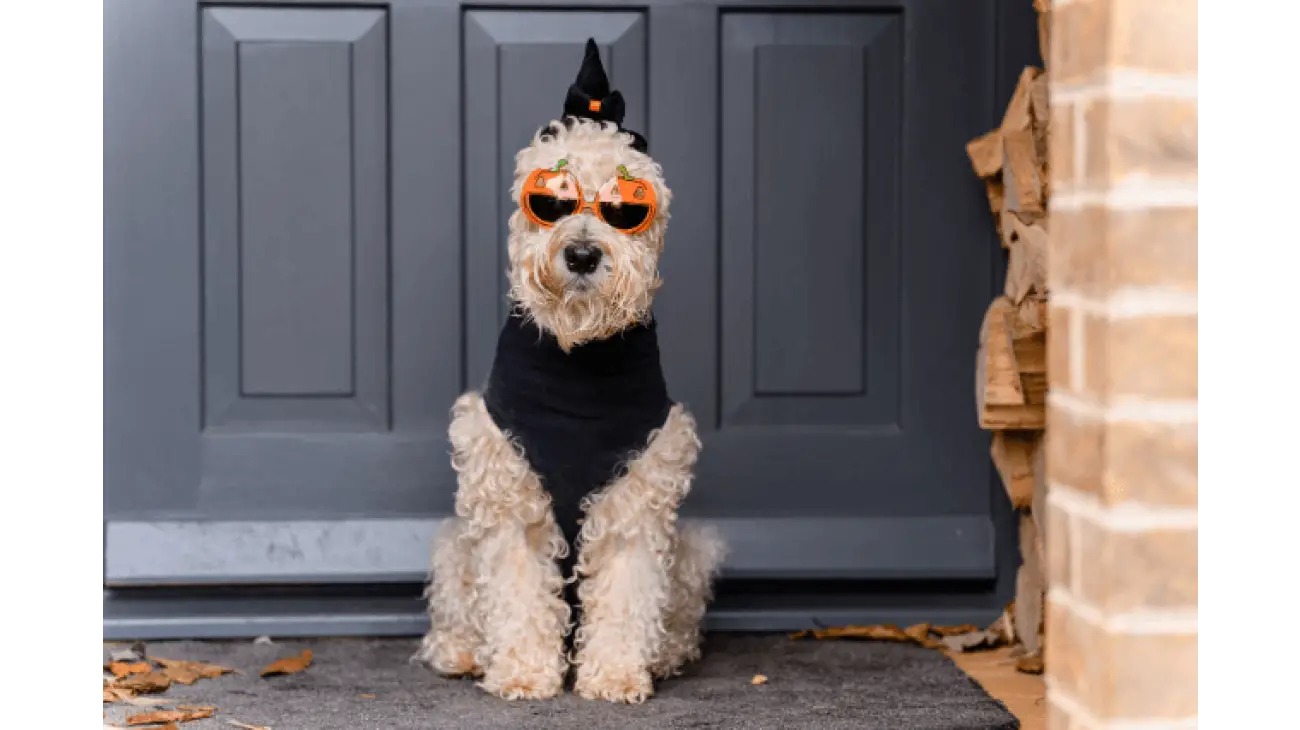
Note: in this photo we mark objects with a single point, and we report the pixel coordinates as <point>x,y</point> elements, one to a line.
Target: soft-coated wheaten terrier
<point>572,461</point>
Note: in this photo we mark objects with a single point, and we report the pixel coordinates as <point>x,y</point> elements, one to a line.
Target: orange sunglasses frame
<point>635,190</point>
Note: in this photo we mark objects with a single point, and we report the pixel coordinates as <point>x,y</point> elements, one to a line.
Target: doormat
<point>353,684</point>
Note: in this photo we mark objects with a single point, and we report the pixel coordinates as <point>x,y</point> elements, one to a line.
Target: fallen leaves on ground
<point>1030,664</point>
<point>365,696</point>
<point>133,653</point>
<point>759,679</point>
<point>973,640</point>
<point>288,665</point>
<point>126,669</point>
<point>915,634</point>
<point>246,726</point>
<point>148,683</point>
<point>182,713</point>
<point>117,694</point>
<point>965,637</point>
<point>187,672</point>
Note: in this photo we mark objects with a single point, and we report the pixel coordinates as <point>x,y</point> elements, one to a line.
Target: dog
<point>572,462</point>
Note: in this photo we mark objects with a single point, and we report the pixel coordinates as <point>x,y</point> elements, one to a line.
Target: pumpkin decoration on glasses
<point>626,203</point>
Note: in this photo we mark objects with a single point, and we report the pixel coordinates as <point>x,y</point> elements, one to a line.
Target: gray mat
<point>823,685</point>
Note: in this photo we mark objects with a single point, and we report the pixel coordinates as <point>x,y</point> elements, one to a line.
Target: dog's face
<point>587,231</point>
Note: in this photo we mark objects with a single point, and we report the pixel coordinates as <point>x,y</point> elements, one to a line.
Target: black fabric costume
<point>578,416</point>
<point>592,85</point>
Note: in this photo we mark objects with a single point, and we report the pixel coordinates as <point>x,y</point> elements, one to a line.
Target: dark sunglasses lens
<point>624,217</point>
<point>550,208</point>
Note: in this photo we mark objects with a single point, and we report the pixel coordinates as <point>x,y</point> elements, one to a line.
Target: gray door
<point>304,230</point>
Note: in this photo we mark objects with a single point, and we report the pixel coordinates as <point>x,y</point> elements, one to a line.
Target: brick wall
<point>1122,423</point>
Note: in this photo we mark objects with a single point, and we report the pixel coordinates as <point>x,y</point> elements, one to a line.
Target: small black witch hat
<point>590,97</point>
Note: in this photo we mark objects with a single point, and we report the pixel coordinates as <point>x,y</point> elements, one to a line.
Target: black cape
<point>579,416</point>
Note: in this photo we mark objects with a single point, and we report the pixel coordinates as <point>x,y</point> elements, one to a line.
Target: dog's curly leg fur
<point>496,601</point>
<point>455,639</point>
<point>634,601</point>
<point>696,559</point>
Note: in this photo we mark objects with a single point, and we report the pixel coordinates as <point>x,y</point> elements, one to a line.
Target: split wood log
<point>1030,588</point>
<point>1027,263</point>
<point>1010,371</point>
<point>1044,8</point>
<point>1013,455</point>
<point>1039,513</point>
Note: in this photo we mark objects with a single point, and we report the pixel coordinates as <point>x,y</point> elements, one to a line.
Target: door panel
<point>286,331</point>
<point>305,224</point>
<point>295,203</point>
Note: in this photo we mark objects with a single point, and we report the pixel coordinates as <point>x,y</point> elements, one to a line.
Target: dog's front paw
<point>517,683</point>
<point>629,685</point>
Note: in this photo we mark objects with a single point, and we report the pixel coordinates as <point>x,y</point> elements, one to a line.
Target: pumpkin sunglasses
<point>626,203</point>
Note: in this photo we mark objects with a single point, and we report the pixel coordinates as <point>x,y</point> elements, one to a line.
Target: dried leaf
<point>113,694</point>
<point>289,665</point>
<point>148,683</point>
<point>885,632</point>
<point>759,679</point>
<point>156,717</point>
<point>246,726</point>
<point>366,696</point>
<point>920,633</point>
<point>1030,664</point>
<point>182,713</point>
<point>954,630</point>
<point>187,672</point>
<point>126,669</point>
<point>973,640</point>
<point>134,653</point>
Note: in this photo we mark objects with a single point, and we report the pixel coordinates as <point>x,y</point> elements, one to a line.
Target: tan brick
<point>1080,41</point>
<point>1153,357</point>
<point>1060,147</point>
<point>1096,356</point>
<point>1073,651</point>
<point>1058,347</point>
<point>1058,718</point>
<point>1130,571</point>
<point>1150,676</point>
<point>1150,463</point>
<point>1059,556</point>
<point>1155,247</point>
<point>1130,676</point>
<point>1076,260</point>
<point>1155,36</point>
<point>1148,137</point>
<point>1074,452</point>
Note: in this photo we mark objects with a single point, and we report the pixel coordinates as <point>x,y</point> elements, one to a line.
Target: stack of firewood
<point>1011,367</point>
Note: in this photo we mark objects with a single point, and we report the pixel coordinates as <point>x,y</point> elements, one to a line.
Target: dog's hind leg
<point>625,564</point>
<point>697,556</point>
<point>509,589</point>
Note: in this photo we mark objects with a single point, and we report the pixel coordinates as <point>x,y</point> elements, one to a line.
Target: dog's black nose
<point>581,258</point>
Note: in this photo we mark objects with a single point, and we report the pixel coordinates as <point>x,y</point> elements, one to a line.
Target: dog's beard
<point>574,308</point>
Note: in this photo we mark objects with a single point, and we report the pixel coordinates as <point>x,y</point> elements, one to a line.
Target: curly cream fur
<point>621,292</point>
<point>644,584</point>
<point>495,598</point>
